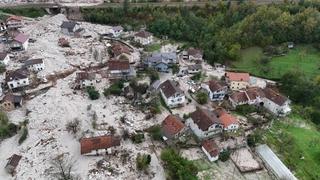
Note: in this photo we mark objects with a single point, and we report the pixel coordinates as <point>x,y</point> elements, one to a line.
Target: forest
<point>222,30</point>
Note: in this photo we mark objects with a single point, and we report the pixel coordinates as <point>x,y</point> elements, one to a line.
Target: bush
<point>177,166</point>
<point>224,155</point>
<point>202,97</point>
<point>155,132</point>
<point>253,139</point>
<point>93,93</point>
<point>175,69</point>
<point>137,138</point>
<point>140,88</point>
<point>2,68</point>
<point>143,161</point>
<point>73,126</point>
<point>114,89</point>
<point>197,76</point>
<point>245,109</point>
<point>24,135</point>
<point>153,74</point>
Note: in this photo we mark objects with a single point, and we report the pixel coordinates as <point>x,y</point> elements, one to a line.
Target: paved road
<point>169,4</point>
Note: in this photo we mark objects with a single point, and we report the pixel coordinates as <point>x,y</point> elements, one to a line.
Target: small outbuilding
<point>12,163</point>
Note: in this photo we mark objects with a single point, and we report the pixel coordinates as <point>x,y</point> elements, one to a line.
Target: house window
<point>11,85</point>
<point>24,82</point>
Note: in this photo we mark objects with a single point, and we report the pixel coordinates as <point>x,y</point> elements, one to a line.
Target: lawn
<point>298,147</point>
<point>33,12</point>
<point>153,47</point>
<point>303,57</point>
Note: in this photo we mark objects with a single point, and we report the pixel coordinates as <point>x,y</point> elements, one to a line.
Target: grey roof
<point>274,163</point>
<point>32,62</point>
<point>12,98</point>
<point>161,57</point>
<point>17,74</point>
<point>169,88</point>
<point>195,67</point>
<point>14,160</point>
<point>68,25</point>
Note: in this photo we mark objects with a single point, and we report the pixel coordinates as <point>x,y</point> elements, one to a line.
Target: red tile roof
<point>204,118</point>
<point>225,118</point>
<point>239,97</point>
<point>100,142</point>
<point>211,147</point>
<point>234,76</point>
<point>172,125</point>
<point>118,65</point>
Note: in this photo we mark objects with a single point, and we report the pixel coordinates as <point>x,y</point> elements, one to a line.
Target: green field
<point>304,58</point>
<point>298,146</point>
<point>32,12</point>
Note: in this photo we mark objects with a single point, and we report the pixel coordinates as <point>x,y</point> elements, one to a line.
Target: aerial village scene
<point>92,101</point>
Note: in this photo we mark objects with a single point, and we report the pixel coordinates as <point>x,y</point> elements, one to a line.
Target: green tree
<point>202,97</point>
<point>93,93</point>
<point>143,161</point>
<point>177,166</point>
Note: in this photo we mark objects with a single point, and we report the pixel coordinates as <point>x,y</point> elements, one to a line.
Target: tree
<point>114,89</point>
<point>73,126</point>
<point>177,166</point>
<point>202,97</point>
<point>93,93</point>
<point>125,6</point>
<point>62,167</point>
<point>175,69</point>
<point>224,155</point>
<point>143,161</point>
<point>155,132</point>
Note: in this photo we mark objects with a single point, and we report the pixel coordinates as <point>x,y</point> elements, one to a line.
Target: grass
<point>153,47</point>
<point>32,12</point>
<point>298,147</point>
<point>303,57</point>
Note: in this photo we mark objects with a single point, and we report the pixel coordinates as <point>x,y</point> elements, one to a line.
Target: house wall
<point>86,83</point>
<point>216,95</point>
<point>238,85</point>
<point>231,127</point>
<point>18,83</point>
<point>14,24</point>
<point>25,45</point>
<point>192,58</point>
<point>211,159</point>
<point>144,41</point>
<point>193,71</point>
<point>235,104</point>
<point>162,67</point>
<point>173,101</point>
<point>212,130</point>
<point>116,33</point>
<point>5,60</point>
<point>275,108</point>
<point>37,67</point>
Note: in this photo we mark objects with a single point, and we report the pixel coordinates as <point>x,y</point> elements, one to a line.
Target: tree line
<point>222,30</point>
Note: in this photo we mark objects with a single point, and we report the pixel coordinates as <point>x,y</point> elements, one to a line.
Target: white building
<point>34,65</point>
<point>17,78</point>
<point>172,95</point>
<point>237,81</point>
<point>228,121</point>
<point>20,42</point>
<point>70,28</point>
<point>275,102</point>
<point>216,90</point>
<point>116,31</point>
<point>193,69</point>
<point>211,150</point>
<point>4,58</point>
<point>85,79</point>
<point>204,123</point>
<point>14,22</point>
<point>143,37</point>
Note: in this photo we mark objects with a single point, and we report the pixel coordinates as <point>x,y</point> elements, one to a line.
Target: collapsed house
<point>11,102</point>
<point>71,28</point>
<point>85,79</point>
<point>13,163</point>
<point>120,69</point>
<point>143,37</point>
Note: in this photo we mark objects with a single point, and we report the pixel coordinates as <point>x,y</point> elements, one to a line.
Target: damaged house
<point>120,69</point>
<point>85,79</point>
<point>143,37</point>
<point>34,65</point>
<point>14,22</point>
<point>71,28</point>
<point>20,42</point>
<point>98,145</point>
<point>11,102</point>
<point>172,128</point>
<point>17,78</point>
<point>122,52</point>
<point>172,95</point>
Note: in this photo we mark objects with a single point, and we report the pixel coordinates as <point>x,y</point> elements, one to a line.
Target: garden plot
<point>245,161</point>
